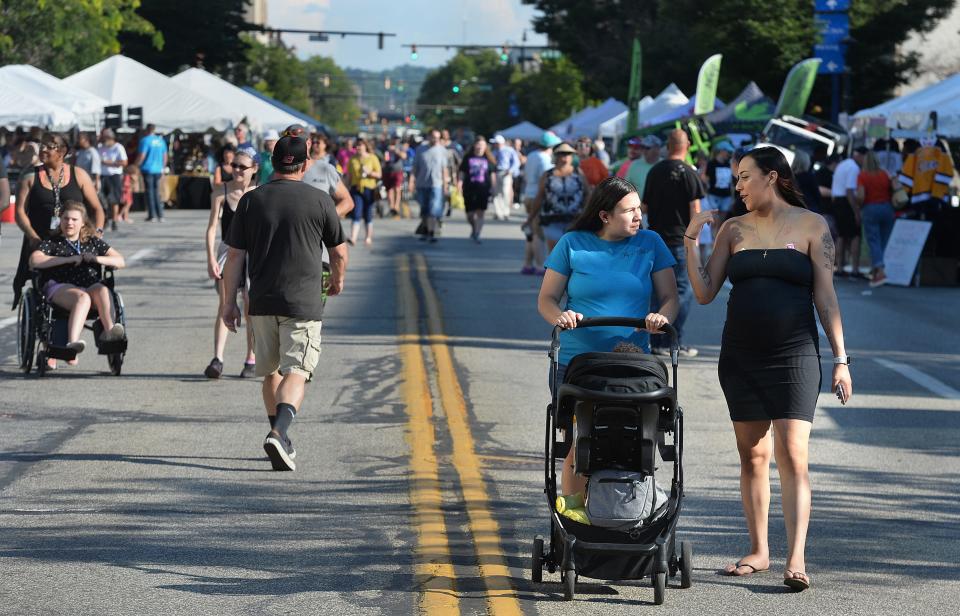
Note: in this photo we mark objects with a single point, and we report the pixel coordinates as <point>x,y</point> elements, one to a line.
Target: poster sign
<point>903,250</point>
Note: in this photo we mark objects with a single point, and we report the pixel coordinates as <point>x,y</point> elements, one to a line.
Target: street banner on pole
<point>707,82</point>
<point>797,88</point>
<point>633,98</point>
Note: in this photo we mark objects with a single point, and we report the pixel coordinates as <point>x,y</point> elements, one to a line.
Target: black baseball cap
<point>289,151</point>
<point>295,130</point>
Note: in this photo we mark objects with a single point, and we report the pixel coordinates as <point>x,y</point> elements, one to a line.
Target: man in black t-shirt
<point>671,197</point>
<point>281,228</point>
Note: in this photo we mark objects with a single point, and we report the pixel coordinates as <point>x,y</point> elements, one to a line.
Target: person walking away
<point>806,180</point>
<point>846,213</point>
<point>538,163</point>
<point>508,166</point>
<point>279,229</point>
<point>152,160</point>
<point>607,264</point>
<point>671,197</point>
<point>562,194</point>
<point>518,147</point>
<point>224,171</point>
<point>395,158</point>
<point>779,258</point>
<point>591,166</point>
<point>88,158</point>
<point>113,159</point>
<point>874,193</point>
<point>477,179</point>
<point>364,172</point>
<point>223,205</point>
<point>269,140</point>
<point>428,179</point>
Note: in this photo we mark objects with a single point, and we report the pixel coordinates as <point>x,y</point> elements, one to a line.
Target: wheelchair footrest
<point>112,347</point>
<point>60,352</point>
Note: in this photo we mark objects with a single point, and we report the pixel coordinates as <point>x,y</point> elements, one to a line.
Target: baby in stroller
<point>71,262</point>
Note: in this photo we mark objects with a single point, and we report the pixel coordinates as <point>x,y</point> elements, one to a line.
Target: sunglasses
<point>240,167</point>
<point>50,146</point>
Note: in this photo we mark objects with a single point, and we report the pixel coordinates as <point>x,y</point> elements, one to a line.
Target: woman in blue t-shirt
<point>607,266</point>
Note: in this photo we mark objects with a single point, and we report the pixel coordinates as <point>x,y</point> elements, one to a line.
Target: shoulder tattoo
<point>736,235</point>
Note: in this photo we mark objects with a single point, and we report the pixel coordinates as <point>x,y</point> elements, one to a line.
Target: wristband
<point>843,360</point>
<point>689,238</point>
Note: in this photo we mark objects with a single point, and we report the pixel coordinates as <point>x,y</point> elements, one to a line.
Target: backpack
<point>623,500</point>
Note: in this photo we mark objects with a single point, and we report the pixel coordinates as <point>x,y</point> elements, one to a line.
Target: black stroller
<point>624,409</point>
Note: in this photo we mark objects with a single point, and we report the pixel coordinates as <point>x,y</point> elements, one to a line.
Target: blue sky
<point>414,21</point>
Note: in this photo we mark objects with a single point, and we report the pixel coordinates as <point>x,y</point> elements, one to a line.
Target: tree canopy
<point>66,36</point>
<point>759,41</point>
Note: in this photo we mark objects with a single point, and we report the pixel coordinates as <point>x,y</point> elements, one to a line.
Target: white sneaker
<point>116,333</point>
<point>77,346</point>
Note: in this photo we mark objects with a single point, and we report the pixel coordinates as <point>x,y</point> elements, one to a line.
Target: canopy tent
<point>670,98</point>
<point>40,99</point>
<point>260,115</point>
<point>588,124</point>
<point>166,103</point>
<point>527,131</point>
<point>912,111</point>
<point>617,125</point>
<point>302,118</point>
<point>676,113</point>
<point>747,113</point>
<point>560,128</point>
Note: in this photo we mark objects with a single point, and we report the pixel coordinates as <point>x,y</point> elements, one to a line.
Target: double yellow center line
<point>434,569</point>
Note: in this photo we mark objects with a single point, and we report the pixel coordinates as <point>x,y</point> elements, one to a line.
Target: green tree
<point>66,36</point>
<point>332,94</point>
<point>203,33</point>
<point>551,94</point>
<point>759,41</point>
<point>274,70</point>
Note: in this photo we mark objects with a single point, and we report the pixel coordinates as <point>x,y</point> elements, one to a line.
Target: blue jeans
<point>878,222</point>
<point>154,205</point>
<point>685,293</point>
<point>431,201</point>
<point>363,202</point>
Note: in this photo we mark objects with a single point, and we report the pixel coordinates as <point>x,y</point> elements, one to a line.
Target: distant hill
<point>375,97</point>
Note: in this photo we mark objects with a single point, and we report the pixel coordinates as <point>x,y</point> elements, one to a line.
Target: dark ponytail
<point>770,159</point>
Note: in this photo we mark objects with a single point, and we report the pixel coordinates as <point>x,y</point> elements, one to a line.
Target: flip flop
<point>739,564</point>
<point>797,584</point>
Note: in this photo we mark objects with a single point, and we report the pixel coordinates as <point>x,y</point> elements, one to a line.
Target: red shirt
<point>876,186</point>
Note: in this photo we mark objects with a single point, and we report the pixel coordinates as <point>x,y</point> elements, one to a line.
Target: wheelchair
<point>42,328</point>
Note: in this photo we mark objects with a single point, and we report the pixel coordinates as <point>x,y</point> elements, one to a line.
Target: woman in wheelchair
<point>71,262</point>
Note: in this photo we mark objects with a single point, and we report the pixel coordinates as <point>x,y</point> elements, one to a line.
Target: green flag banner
<point>707,82</point>
<point>797,88</point>
<point>633,99</point>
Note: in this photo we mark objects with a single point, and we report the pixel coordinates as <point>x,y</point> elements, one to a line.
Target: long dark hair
<point>604,198</point>
<point>770,159</point>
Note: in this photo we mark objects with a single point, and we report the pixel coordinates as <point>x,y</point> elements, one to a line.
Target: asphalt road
<point>420,468</point>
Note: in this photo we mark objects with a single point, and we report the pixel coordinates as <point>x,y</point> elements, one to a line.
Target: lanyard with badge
<point>55,220</point>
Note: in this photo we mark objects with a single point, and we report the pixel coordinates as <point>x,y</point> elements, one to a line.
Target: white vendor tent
<point>617,125</point>
<point>561,129</point>
<point>588,124</point>
<point>259,114</point>
<point>31,97</point>
<point>166,103</point>
<point>911,111</point>
<point>678,112</point>
<point>670,98</point>
<point>527,131</point>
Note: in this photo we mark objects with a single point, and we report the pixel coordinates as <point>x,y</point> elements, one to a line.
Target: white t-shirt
<point>845,178</point>
<point>113,153</point>
<point>322,175</point>
<point>538,163</point>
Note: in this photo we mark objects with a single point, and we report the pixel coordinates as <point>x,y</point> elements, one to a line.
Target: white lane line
<point>7,322</point>
<point>140,254</point>
<point>924,380</point>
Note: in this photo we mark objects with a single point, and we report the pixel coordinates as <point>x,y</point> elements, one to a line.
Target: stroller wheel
<point>537,564</point>
<point>686,564</point>
<point>659,587</point>
<point>569,584</point>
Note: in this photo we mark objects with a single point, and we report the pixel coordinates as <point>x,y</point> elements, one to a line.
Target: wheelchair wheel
<point>41,363</point>
<point>26,331</point>
<point>115,360</point>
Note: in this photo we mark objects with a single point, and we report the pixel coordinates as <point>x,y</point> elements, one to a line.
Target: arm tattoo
<point>736,235</point>
<point>704,275</point>
<point>828,250</point>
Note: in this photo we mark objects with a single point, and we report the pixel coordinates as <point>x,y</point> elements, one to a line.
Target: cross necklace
<point>759,237</point>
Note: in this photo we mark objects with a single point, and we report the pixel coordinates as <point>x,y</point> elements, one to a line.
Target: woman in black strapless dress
<point>779,258</point>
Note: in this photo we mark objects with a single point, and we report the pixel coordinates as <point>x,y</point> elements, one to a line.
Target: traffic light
<point>386,83</point>
<point>504,55</point>
<point>413,52</point>
<point>456,89</point>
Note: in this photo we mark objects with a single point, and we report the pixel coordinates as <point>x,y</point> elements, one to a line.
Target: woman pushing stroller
<point>606,265</point>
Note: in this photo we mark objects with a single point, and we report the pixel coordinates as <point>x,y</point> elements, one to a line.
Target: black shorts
<point>847,226</point>
<point>112,188</point>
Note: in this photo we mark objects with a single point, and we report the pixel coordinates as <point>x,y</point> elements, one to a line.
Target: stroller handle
<point>667,328</point>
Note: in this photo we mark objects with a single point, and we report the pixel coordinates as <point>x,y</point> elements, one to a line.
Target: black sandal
<point>743,564</point>
<point>797,584</point>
